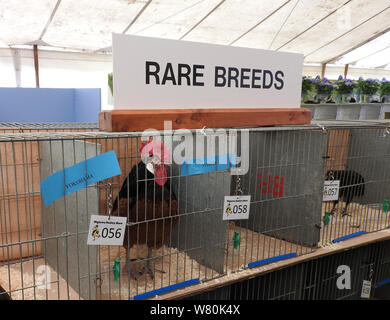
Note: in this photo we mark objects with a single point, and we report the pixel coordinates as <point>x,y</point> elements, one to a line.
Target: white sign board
<point>152,73</point>
<point>331,190</point>
<point>236,207</point>
<point>105,230</point>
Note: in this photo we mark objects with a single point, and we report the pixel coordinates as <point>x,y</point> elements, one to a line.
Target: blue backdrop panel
<point>86,105</point>
<point>49,105</point>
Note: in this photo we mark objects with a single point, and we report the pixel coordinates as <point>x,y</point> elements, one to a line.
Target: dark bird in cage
<point>3,294</point>
<point>351,186</point>
<point>147,199</point>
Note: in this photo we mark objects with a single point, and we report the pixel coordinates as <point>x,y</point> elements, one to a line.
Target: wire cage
<point>315,279</point>
<point>176,233</point>
<point>20,127</point>
<point>357,156</point>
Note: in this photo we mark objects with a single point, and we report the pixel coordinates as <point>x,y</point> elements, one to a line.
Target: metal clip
<point>238,186</point>
<point>371,274</point>
<point>331,175</point>
<point>385,132</point>
<point>130,224</point>
<point>322,127</point>
<point>109,200</point>
<point>202,130</point>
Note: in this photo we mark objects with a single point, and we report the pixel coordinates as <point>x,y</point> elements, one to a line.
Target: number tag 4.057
<point>331,190</point>
<point>236,207</point>
<point>105,230</point>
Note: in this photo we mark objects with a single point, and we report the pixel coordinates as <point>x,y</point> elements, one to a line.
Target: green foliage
<point>384,89</point>
<point>307,85</point>
<point>368,86</point>
<point>110,83</point>
<point>344,86</point>
<point>323,86</point>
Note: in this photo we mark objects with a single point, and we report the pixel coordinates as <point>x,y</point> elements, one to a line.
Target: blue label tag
<point>208,164</point>
<point>80,175</point>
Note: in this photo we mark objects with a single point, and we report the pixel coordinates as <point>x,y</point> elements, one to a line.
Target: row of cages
<point>180,229</point>
<point>324,278</point>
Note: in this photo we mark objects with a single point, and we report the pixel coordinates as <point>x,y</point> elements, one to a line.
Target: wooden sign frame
<point>140,120</point>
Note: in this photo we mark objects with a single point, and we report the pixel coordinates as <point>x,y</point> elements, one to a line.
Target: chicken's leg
<point>148,268</point>
<point>129,269</point>
<point>334,207</point>
<point>345,213</point>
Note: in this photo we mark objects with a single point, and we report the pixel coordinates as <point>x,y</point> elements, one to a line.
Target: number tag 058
<point>104,230</point>
<point>236,207</point>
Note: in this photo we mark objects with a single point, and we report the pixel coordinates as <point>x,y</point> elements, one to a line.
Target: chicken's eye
<point>156,160</point>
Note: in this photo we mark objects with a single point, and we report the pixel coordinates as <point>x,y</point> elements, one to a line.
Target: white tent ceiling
<point>325,31</point>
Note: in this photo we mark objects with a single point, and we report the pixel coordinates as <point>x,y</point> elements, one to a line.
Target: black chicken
<point>351,186</point>
<point>147,199</point>
<point>3,294</point>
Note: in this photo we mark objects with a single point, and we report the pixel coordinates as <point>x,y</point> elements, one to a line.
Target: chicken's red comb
<point>143,144</point>
<point>156,148</point>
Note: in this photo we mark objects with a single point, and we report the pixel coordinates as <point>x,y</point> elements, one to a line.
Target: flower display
<point>368,86</point>
<point>344,86</point>
<point>307,85</point>
<point>344,90</point>
<point>323,86</point>
<point>384,89</point>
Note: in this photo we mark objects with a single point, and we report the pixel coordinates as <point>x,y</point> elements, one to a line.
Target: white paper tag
<point>331,190</point>
<point>366,289</point>
<point>236,207</point>
<point>105,230</point>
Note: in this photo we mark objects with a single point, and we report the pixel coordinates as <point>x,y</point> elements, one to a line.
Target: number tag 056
<point>236,207</point>
<point>104,230</point>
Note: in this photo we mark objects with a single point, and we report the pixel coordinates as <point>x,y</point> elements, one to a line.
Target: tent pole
<point>36,65</point>
<point>17,66</point>
<point>323,70</point>
<point>346,71</point>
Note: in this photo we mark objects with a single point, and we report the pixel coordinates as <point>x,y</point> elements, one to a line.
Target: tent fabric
<point>356,32</point>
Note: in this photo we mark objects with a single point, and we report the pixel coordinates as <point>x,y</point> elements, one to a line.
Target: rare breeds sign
<point>152,73</point>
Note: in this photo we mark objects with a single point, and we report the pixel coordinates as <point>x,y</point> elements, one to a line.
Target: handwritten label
<point>78,176</point>
<point>208,164</point>
<point>272,184</point>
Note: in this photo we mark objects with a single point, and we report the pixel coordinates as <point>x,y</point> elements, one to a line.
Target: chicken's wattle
<point>160,174</point>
